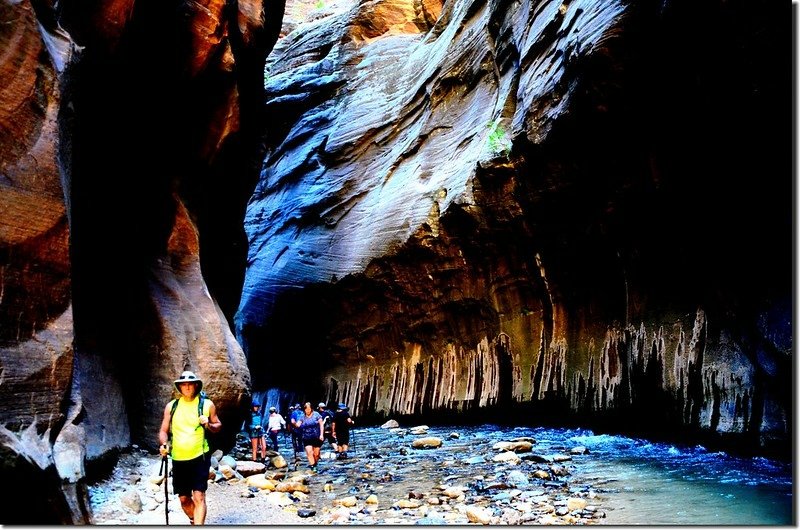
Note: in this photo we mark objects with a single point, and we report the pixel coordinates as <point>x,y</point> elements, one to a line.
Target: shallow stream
<point>630,481</point>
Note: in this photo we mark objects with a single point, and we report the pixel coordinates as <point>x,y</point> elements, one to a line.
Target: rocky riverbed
<point>394,475</point>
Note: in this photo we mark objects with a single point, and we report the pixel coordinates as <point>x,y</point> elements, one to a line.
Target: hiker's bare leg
<point>316,454</point>
<point>188,506</point>
<point>310,455</point>
<point>254,442</point>
<point>199,500</point>
<point>263,448</point>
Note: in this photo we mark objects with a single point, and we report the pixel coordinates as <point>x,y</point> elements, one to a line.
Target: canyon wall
<point>565,211</point>
<point>122,131</point>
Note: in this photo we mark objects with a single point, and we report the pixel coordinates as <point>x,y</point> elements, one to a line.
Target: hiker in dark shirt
<point>341,430</point>
<point>295,415</point>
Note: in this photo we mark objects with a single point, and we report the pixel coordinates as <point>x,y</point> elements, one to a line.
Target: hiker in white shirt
<point>275,424</point>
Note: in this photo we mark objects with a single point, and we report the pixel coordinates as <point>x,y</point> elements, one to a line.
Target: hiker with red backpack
<point>183,437</point>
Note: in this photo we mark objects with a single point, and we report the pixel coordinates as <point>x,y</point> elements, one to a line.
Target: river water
<point>632,481</point>
<point>658,483</point>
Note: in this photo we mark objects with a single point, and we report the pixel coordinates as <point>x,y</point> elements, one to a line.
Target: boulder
<point>429,442</point>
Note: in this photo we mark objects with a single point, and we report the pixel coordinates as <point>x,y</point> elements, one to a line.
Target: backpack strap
<point>171,414</point>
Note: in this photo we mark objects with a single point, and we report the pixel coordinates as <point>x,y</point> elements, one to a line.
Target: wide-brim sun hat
<point>188,377</point>
<point>321,406</point>
<point>272,409</point>
<point>342,406</point>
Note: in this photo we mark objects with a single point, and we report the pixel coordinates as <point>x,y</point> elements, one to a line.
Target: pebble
<point>459,483</point>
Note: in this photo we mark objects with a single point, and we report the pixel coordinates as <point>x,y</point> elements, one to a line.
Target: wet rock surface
<point>384,480</point>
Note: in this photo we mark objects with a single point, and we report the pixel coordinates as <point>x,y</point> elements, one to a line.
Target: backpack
<point>327,420</point>
<point>200,401</point>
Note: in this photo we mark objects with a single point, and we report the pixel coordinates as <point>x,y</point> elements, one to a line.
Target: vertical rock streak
<point>464,379</point>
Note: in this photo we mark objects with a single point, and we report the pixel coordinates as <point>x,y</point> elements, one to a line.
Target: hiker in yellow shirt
<point>185,422</point>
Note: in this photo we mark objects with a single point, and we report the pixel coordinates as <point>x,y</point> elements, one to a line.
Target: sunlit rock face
<point>600,253</point>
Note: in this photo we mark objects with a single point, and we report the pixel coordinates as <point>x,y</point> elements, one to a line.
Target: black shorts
<point>256,433</point>
<point>313,442</point>
<point>343,438</point>
<point>190,475</point>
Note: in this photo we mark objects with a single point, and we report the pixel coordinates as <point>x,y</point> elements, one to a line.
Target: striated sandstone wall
<point>35,313</point>
<point>591,258</point>
<point>129,135</point>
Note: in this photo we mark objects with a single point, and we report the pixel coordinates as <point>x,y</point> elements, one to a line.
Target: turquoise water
<point>654,483</point>
<point>636,482</point>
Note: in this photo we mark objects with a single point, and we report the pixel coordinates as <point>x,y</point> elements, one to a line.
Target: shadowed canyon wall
<point>36,321</point>
<point>128,135</point>
<point>562,211</point>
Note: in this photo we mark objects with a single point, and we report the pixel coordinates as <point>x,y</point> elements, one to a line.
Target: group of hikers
<point>182,436</point>
<point>309,430</point>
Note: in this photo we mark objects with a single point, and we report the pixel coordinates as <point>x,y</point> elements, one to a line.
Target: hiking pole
<point>294,448</point>
<point>165,467</point>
